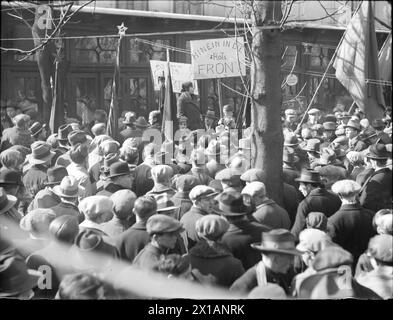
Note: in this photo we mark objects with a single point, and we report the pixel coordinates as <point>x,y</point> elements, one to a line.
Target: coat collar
<point>350,206</point>
<point>266,202</point>
<point>111,187</point>
<point>197,210</point>
<point>184,195</point>
<point>141,225</point>
<point>205,249</point>
<point>159,188</point>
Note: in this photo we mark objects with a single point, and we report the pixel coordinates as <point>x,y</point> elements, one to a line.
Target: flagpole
<point>324,75</point>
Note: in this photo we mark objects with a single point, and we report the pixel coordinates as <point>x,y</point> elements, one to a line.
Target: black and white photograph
<point>196,156</point>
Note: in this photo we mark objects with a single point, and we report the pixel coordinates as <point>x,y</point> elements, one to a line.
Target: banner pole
<point>220,97</point>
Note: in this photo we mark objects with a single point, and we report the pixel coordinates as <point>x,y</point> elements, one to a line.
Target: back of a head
<point>82,286</point>
<point>64,228</point>
<point>173,264</point>
<point>78,153</point>
<point>378,216</point>
<point>385,224</point>
<point>123,203</point>
<point>11,158</point>
<point>144,207</point>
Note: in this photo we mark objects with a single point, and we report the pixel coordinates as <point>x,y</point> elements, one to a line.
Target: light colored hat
<point>346,187</point>
<point>21,119</point>
<point>314,111</point>
<point>290,112</point>
<point>95,206</point>
<point>313,240</point>
<point>255,188</point>
<point>37,221</point>
<point>69,188</point>
<point>161,172</point>
<point>211,226</point>
<point>201,192</point>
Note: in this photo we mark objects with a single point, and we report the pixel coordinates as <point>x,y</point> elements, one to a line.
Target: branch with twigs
<point>66,17</point>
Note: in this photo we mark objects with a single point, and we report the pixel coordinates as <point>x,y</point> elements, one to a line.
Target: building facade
<point>306,51</point>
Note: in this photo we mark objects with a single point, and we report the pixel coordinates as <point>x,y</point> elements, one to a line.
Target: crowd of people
<point>79,203</point>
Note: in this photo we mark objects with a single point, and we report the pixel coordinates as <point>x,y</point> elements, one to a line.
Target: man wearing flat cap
<point>376,192</point>
<point>351,226</point>
<point>278,251</point>
<point>352,132</point>
<point>202,198</point>
<point>164,232</point>
<point>290,123</point>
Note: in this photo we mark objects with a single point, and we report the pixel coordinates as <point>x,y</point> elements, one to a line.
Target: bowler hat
<point>36,128</point>
<point>77,136</point>
<point>15,277</point>
<point>6,201</point>
<point>309,176</point>
<point>68,188</point>
<point>312,145</point>
<point>289,155</point>
<point>55,175</point>
<point>378,124</point>
<point>279,241</point>
<point>378,152</point>
<point>63,131</point>
<point>290,140</point>
<point>230,203</point>
<point>161,223</point>
<point>129,118</point>
<point>141,122</point>
<point>353,124</point>
<point>41,153</point>
<point>118,169</point>
<point>8,176</point>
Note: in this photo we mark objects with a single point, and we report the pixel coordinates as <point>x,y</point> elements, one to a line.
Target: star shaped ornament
<point>122,29</point>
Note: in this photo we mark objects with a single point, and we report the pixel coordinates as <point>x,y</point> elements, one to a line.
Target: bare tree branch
<point>62,22</point>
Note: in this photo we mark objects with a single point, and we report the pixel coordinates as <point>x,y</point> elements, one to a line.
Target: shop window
<point>320,57</point>
<point>25,92</point>
<point>141,52</point>
<point>95,50</point>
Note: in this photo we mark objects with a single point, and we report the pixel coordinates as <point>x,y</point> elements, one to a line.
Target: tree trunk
<point>267,137</point>
<point>45,61</point>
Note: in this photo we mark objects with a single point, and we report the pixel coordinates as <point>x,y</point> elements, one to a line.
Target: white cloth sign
<point>218,58</point>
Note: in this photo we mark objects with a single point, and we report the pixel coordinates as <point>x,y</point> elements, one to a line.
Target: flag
<point>385,59</point>
<point>113,117</point>
<point>169,123</point>
<point>356,63</point>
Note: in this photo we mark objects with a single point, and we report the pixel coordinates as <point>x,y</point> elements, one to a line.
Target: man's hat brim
<point>229,214</point>
<point>32,160</point>
<point>258,246</point>
<point>57,191</point>
<point>11,202</point>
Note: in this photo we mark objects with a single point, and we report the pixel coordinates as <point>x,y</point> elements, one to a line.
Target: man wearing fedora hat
<point>210,118</point>
<point>376,192</point>
<point>75,137</point>
<point>242,232</point>
<point>62,137</point>
<point>292,141</point>
<point>290,122</point>
<point>46,198</point>
<point>18,134</point>
<point>313,150</point>
<point>8,211</point>
<point>12,183</point>
<point>69,192</point>
<point>352,132</point>
<point>328,133</point>
<point>40,160</point>
<point>119,178</point>
<point>381,136</point>
<point>184,184</point>
<point>278,252</point>
<point>164,232</point>
<point>317,199</point>
<point>187,105</point>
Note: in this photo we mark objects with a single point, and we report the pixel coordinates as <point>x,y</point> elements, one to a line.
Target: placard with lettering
<point>218,58</point>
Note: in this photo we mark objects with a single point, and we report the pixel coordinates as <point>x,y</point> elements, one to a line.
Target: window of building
<point>141,53</point>
<point>95,50</point>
